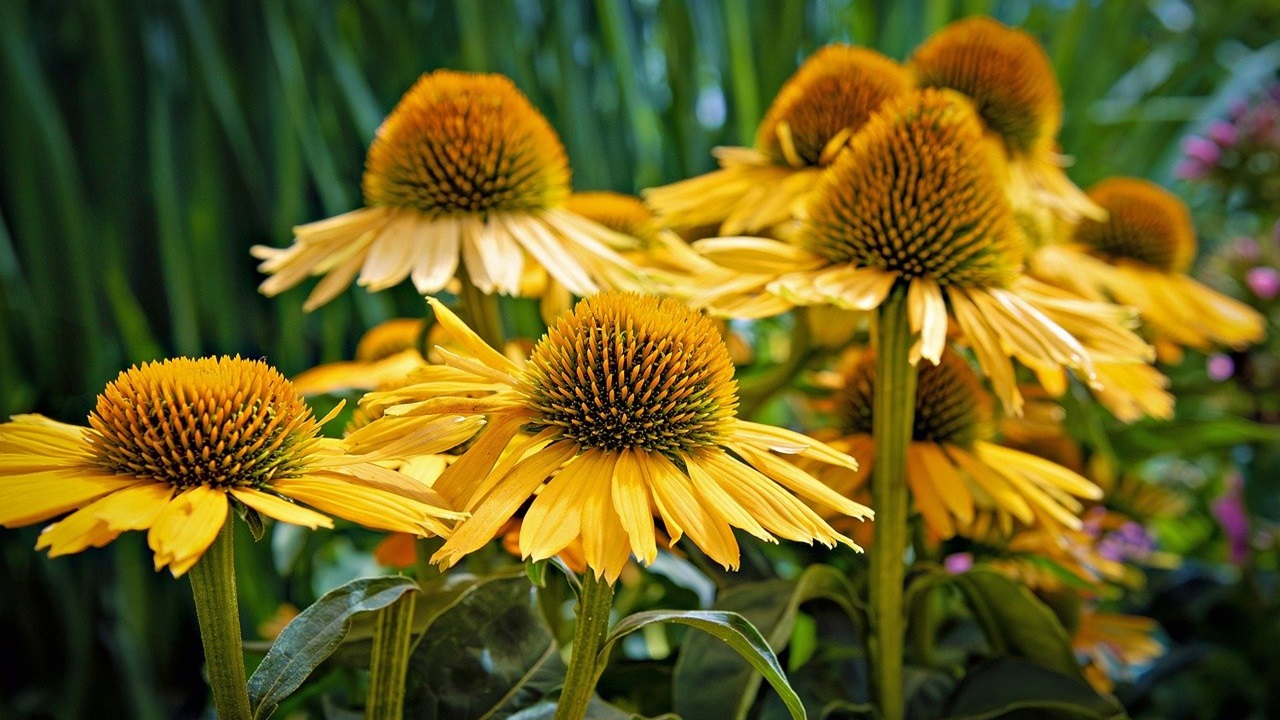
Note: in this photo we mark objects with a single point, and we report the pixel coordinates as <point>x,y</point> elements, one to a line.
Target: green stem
<point>389,659</point>
<point>893,411</point>
<point>481,312</point>
<point>757,390</point>
<point>593,623</point>
<point>213,583</point>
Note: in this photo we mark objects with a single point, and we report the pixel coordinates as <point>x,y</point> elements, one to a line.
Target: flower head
<point>832,94</point>
<point>917,194</point>
<point>1007,74</point>
<point>625,408</point>
<point>915,199</point>
<point>463,168</point>
<point>806,127</point>
<point>956,470</point>
<point>459,144</point>
<point>1005,71</point>
<point>1145,224</point>
<point>173,445</point>
<point>1139,256</point>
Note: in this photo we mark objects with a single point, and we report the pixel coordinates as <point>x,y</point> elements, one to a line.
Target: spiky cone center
<point>220,422</point>
<point>623,370</point>
<point>1144,222</point>
<point>917,192</point>
<point>1004,71</point>
<point>951,405</point>
<point>620,213</point>
<point>463,143</point>
<point>829,97</point>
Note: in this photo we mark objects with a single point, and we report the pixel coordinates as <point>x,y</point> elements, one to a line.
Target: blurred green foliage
<point>146,145</point>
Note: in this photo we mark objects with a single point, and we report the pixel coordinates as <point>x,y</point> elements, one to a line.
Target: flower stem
<point>892,419</point>
<point>213,583</point>
<point>481,312</point>
<point>389,659</point>
<point>593,623</point>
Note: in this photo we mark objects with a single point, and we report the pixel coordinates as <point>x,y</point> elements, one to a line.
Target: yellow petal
<point>555,518</point>
<point>133,508</point>
<point>186,527</point>
<point>509,493</point>
<point>366,506</point>
<point>280,509</point>
<point>682,507</point>
<point>33,497</point>
<point>801,482</point>
<point>470,341</point>
<point>631,502</point>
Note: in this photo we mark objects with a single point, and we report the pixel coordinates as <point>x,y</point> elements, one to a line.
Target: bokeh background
<point>146,145</point>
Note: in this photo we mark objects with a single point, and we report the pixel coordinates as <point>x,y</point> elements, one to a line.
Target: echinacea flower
<point>626,407</point>
<point>1007,74</point>
<point>1139,256</point>
<point>172,446</point>
<point>915,199</point>
<point>956,470</point>
<point>389,350</point>
<point>463,169</point>
<point>804,129</point>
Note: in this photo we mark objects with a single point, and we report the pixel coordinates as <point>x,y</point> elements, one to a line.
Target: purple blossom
<point>957,563</point>
<point>1264,281</point>
<point>1191,169</point>
<point>1223,133</point>
<point>1220,367</point>
<point>1195,147</point>
<point>1233,518</point>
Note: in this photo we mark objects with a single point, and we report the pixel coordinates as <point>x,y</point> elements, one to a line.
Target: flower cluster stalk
<point>892,419</point>
<point>213,583</point>
<point>593,607</point>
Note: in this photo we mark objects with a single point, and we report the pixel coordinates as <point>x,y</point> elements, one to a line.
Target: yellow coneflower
<point>805,128</point>
<point>1140,256</point>
<point>915,200</point>
<point>464,167</point>
<point>1008,76</point>
<point>629,405</point>
<point>173,445</point>
<point>387,351</point>
<point>955,470</point>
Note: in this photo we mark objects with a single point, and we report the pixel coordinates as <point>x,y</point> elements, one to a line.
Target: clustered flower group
<point>939,180</point>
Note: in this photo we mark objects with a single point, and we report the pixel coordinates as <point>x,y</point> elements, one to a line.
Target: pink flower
<point>1195,147</point>
<point>1264,281</point>
<point>1220,367</point>
<point>1224,134</point>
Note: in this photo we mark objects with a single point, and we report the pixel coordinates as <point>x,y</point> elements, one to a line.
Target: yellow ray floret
<point>624,411</point>
<point>173,445</point>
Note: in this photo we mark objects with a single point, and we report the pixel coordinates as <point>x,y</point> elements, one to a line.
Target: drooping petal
<point>186,527</point>
<point>275,507</point>
<point>133,508</point>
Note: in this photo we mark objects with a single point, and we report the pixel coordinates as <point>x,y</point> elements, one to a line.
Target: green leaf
<point>710,678</point>
<point>1008,685</point>
<point>1016,623</point>
<point>735,630</point>
<point>487,651</point>
<point>597,710</point>
<point>312,637</point>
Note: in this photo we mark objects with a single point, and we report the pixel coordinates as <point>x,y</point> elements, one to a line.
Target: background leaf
<point>311,637</point>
